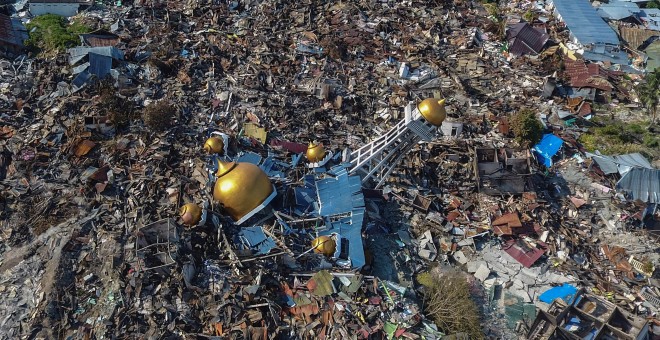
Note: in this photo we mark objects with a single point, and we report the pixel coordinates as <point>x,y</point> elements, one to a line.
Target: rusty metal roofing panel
<point>525,253</point>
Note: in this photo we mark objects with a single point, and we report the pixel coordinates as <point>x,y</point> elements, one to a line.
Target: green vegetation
<point>497,24</point>
<point>613,137</point>
<point>526,127</point>
<point>50,32</point>
<point>653,4</point>
<point>447,300</point>
<point>649,92</point>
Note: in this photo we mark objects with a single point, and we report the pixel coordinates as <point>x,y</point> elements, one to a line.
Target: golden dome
<point>190,213</point>
<point>433,110</point>
<point>315,152</point>
<point>240,187</point>
<point>214,145</point>
<point>325,245</point>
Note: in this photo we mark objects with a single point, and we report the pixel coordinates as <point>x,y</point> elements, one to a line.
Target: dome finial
<point>433,110</point>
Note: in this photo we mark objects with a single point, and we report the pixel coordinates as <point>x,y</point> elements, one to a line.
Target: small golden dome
<point>240,187</point>
<point>433,110</point>
<point>325,245</point>
<point>214,145</point>
<point>190,213</point>
<point>315,152</point>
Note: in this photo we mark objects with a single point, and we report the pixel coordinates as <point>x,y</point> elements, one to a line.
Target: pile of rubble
<point>290,196</point>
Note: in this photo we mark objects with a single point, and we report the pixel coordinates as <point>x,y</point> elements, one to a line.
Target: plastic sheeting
<point>566,292</point>
<point>548,147</point>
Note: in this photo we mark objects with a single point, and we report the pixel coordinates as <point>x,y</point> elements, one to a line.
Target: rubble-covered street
<point>368,169</point>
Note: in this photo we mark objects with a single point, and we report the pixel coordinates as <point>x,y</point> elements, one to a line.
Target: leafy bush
<point>615,137</point>
<point>51,32</point>
<point>159,116</point>
<point>447,300</point>
<point>527,128</point>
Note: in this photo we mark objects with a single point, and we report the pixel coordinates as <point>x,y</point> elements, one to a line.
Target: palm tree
<point>649,93</point>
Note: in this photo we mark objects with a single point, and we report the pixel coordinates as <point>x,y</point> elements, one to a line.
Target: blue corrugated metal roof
<point>618,10</point>
<point>352,233</point>
<point>641,184</point>
<point>341,195</point>
<point>620,57</point>
<point>99,65</point>
<point>651,18</point>
<point>78,53</point>
<point>585,23</point>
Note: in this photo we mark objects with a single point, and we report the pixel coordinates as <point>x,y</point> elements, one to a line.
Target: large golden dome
<point>315,152</point>
<point>241,187</point>
<point>433,110</point>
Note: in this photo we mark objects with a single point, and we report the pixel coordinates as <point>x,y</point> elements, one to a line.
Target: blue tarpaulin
<point>566,292</point>
<point>548,147</point>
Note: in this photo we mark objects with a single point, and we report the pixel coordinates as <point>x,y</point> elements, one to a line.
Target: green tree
<point>527,128</point>
<point>448,301</point>
<point>653,4</point>
<point>649,93</point>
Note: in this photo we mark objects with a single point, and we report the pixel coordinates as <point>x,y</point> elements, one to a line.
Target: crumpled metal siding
<point>641,184</point>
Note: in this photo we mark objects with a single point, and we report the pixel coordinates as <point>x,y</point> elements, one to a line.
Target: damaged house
<point>12,35</point>
<point>587,316</point>
<point>65,8</point>
<point>589,31</point>
<point>524,39</point>
<point>502,171</point>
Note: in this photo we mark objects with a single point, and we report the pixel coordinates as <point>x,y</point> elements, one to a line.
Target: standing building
<point>65,8</point>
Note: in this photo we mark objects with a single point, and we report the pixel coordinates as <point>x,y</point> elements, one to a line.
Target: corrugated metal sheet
<point>78,53</point>
<point>641,184</point>
<point>633,160</point>
<point>250,157</point>
<point>339,195</point>
<point>12,31</point>
<point>99,65</point>
<point>620,163</point>
<point>635,37</point>
<point>525,39</point>
<point>651,18</point>
<point>99,40</point>
<point>585,23</point>
<point>343,195</point>
<point>618,10</point>
<point>525,253</point>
